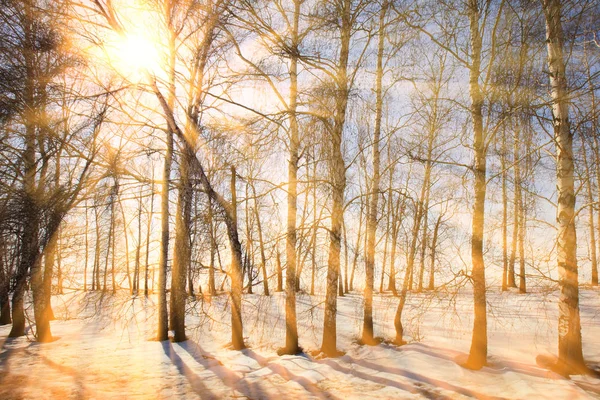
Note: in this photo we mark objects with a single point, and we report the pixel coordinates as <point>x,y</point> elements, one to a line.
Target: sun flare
<point>134,56</point>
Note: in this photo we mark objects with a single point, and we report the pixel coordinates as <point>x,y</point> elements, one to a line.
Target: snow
<point>103,350</point>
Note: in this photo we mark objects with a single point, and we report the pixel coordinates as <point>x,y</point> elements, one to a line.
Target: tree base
<point>282,351</point>
<point>474,363</point>
<point>374,341</point>
<point>320,354</point>
<point>565,369</point>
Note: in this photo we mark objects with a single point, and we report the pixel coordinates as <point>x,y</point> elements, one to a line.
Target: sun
<point>135,56</point>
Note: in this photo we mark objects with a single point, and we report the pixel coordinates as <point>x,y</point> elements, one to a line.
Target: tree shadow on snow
<point>194,380</point>
<point>280,370</point>
<point>229,378</point>
<point>248,388</point>
<point>495,365</point>
<point>416,388</point>
<point>13,384</point>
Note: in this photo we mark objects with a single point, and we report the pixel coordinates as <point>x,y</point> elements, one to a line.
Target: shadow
<point>410,375</point>
<point>7,352</point>
<point>499,366</point>
<point>411,388</point>
<point>194,380</point>
<point>441,353</point>
<point>494,366</point>
<point>280,370</point>
<point>7,379</point>
<point>82,391</point>
<point>253,390</point>
<point>229,378</point>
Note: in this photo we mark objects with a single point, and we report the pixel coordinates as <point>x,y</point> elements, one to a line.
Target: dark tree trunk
<point>182,248</point>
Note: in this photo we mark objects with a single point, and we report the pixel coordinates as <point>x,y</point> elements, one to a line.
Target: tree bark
<point>182,249</point>
<point>338,183</point>
<point>291,324</point>
<point>478,351</point>
<point>570,354</point>
<point>367,335</point>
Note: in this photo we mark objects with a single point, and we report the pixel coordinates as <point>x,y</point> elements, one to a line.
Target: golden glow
<point>134,56</point>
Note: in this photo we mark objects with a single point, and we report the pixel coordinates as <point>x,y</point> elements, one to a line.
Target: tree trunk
<point>504,216</point>
<point>163,317</point>
<point>5,318</point>
<point>357,247</point>
<point>434,242</point>
<point>182,249</point>
<point>261,245</point>
<point>338,184</point>
<point>516,210</point>
<point>138,248</point>
<point>367,335</point>
<point>291,324</point>
<point>148,233</point>
<point>478,351</point>
<point>522,230</point>
<point>213,249</point>
<point>237,329</point>
<point>385,244</point>
<point>96,267</point>
<point>249,258</point>
<point>279,271</point>
<point>590,198</point>
<point>570,354</point>
<point>396,212</point>
<point>87,247</point>
<point>29,248</point>
<point>125,233</point>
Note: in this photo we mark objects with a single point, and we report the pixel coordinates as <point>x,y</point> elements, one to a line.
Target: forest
<point>299,198</point>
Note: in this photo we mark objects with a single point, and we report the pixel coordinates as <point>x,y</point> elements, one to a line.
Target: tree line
<point>267,141</point>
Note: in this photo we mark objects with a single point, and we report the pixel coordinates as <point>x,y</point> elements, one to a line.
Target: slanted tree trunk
<point>570,354</point>
<point>230,218</point>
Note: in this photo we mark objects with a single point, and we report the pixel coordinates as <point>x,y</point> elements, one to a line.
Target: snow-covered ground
<point>103,351</point>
